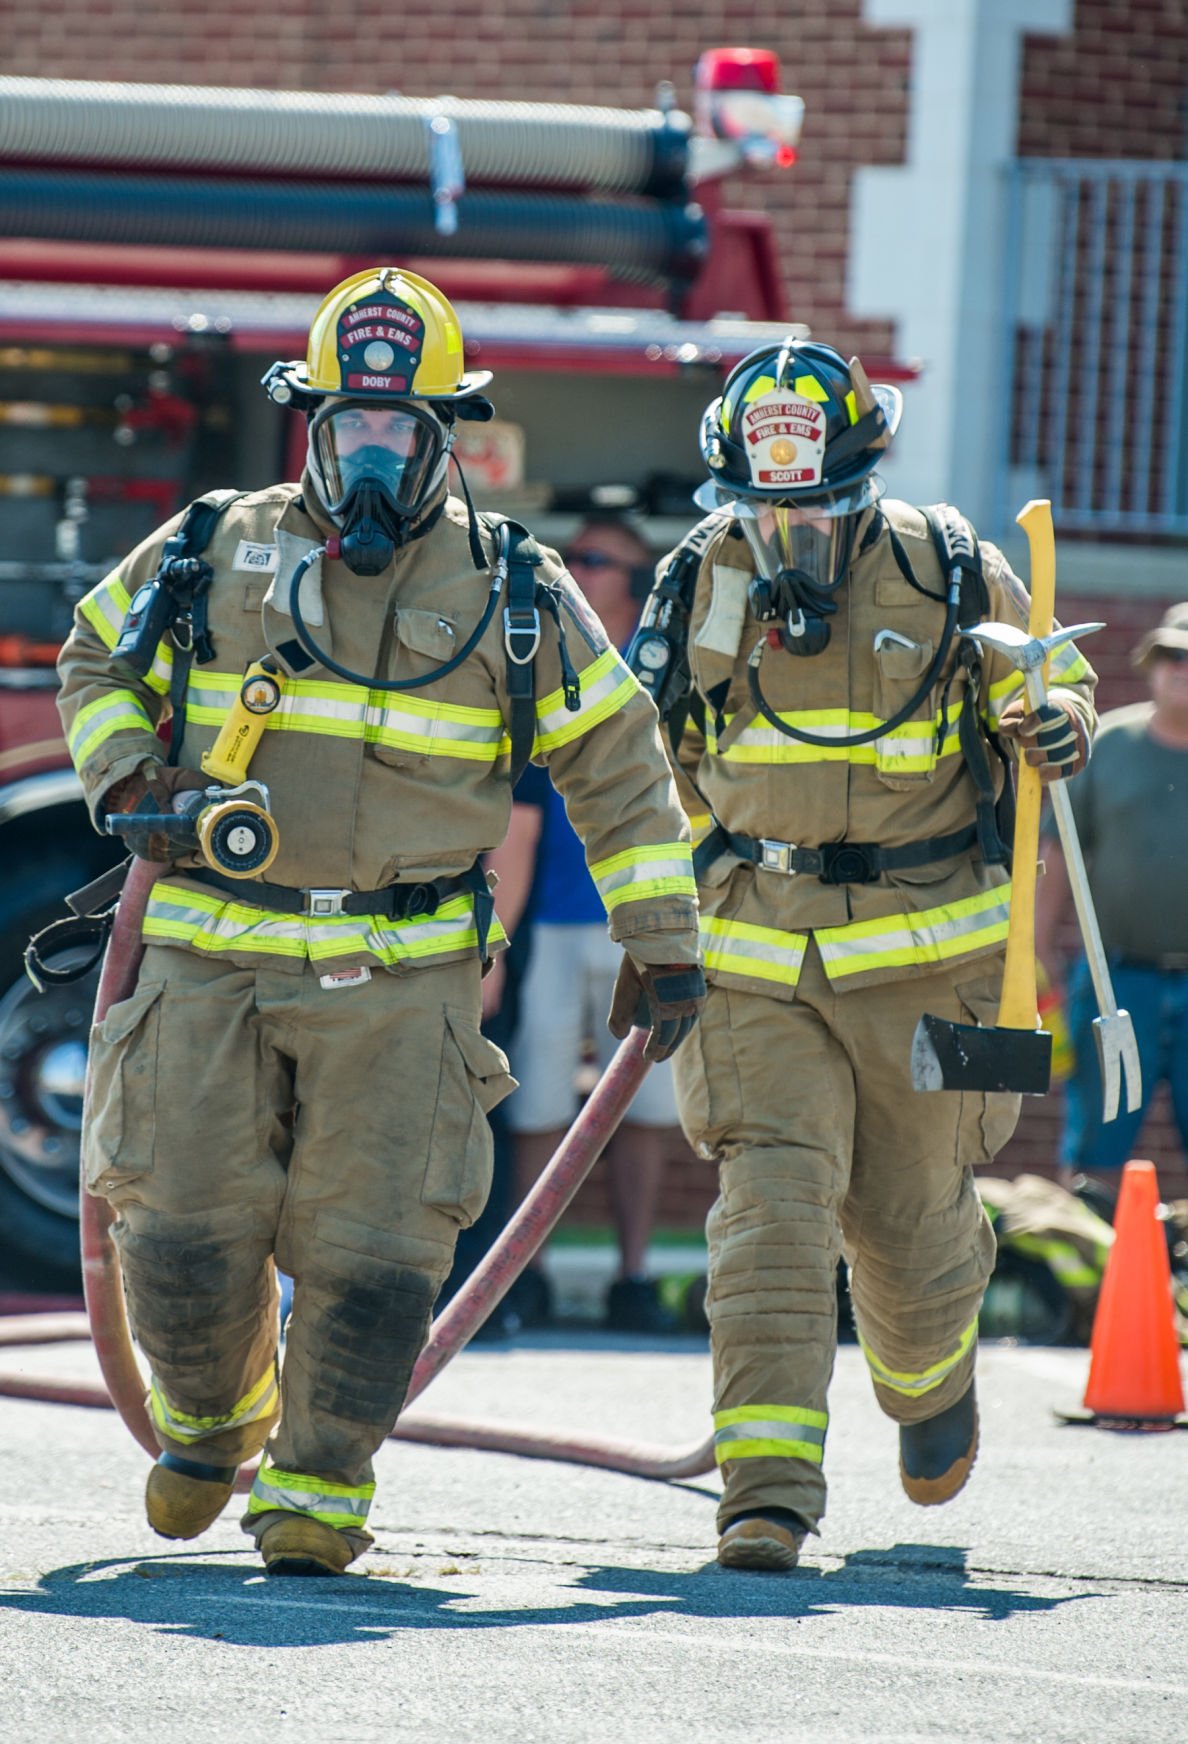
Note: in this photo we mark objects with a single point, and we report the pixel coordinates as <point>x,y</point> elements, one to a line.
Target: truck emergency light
<point>738,101</point>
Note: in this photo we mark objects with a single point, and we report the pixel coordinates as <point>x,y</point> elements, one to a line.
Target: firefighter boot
<point>295,1544</point>
<point>937,1456</point>
<point>182,1498</point>
<point>759,1539</point>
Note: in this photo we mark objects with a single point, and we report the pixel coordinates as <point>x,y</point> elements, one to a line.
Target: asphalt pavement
<point>510,1601</point>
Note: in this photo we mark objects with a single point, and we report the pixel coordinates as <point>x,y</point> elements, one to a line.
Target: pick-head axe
<point>1015,1055</point>
<point>1113,1031</point>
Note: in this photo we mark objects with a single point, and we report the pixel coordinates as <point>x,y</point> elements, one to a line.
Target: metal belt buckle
<point>322,904</point>
<point>776,856</point>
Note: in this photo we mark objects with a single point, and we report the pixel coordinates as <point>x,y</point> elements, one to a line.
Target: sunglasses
<point>592,560</point>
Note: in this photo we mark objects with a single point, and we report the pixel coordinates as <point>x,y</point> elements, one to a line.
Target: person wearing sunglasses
<point>1131,807</point>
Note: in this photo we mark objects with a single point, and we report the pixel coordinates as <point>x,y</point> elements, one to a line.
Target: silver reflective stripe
<point>181,1426</point>
<point>214,925</point>
<point>760,1430</point>
<point>606,685</point>
<point>119,711</point>
<point>917,938</point>
<point>758,953</point>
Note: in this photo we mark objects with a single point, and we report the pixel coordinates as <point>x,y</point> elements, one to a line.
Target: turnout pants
<point>825,1148</point>
<point>241,1117</point>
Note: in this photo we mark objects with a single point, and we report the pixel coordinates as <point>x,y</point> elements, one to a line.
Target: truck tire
<point>43,1040</point>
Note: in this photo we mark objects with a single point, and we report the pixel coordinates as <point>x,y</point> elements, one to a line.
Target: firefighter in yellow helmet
<point>836,731</point>
<point>299,1079</point>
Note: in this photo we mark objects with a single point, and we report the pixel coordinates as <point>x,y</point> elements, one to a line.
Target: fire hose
<point>106,1317</point>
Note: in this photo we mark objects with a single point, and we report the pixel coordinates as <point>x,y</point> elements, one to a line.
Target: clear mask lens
<point>395,450</point>
<point>783,538</point>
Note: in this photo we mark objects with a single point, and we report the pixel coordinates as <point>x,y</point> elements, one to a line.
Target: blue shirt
<point>563,892</point>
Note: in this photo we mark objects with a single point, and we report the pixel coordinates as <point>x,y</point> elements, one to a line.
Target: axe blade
<point>966,1056</point>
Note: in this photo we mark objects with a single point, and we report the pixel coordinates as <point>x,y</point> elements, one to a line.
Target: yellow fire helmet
<point>383,334</point>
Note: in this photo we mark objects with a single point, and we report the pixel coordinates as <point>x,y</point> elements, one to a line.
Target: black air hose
<point>651,240</point>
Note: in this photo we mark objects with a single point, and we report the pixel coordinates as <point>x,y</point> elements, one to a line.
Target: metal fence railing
<point>1094,403</point>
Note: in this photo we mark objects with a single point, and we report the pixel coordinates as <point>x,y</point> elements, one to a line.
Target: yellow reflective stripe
<point>209,923</point>
<point>771,1413</point>
<point>851,403</point>
<point>910,746</point>
<point>116,711</point>
<point>922,1380</point>
<point>782,1449</point>
<point>770,1432</point>
<point>931,936</point>
<point>351,711</point>
<point>606,684</point>
<point>294,1493</point>
<point>1069,666</point>
<point>181,1426</point>
<point>105,608</point>
<point>736,947</point>
<point>637,874</point>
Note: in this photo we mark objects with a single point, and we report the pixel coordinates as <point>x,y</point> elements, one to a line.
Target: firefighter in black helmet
<point>851,877</point>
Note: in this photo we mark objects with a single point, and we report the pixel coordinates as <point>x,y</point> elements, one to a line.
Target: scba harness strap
<point>175,601</point>
<point>967,602</point>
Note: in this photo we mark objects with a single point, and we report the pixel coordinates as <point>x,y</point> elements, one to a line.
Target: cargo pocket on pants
<point>118,1136</point>
<point>474,1078</point>
<point>999,1109</point>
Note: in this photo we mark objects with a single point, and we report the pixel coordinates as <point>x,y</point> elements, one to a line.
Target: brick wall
<point>854,80</point>
<point>1117,87</point>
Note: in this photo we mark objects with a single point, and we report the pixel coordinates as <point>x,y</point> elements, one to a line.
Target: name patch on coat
<point>346,977</point>
<point>262,559</point>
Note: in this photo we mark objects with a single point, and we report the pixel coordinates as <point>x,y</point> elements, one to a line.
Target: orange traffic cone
<point>1134,1368</point>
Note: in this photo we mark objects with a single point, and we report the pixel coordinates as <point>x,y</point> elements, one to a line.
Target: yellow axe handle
<point>1017,1007</point>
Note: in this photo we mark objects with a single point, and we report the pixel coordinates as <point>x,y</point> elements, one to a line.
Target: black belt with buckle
<point>394,901</point>
<point>833,862</point>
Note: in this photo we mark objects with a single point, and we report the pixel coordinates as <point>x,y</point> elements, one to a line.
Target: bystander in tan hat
<point>1171,633</point>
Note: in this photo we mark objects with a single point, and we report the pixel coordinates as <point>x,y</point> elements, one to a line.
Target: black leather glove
<point>149,799</point>
<point>665,1000</point>
<point>1052,738</point>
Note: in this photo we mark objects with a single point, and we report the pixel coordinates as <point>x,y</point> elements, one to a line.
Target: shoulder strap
<point>518,555</point>
<point>957,547</point>
<point>190,541</point>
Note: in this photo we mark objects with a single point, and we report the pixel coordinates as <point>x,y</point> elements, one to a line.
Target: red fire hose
<point>528,1229</point>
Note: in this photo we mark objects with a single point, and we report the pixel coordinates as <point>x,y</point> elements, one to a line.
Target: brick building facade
<point>1115,85</point>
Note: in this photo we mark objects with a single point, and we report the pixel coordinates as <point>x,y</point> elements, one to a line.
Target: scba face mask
<point>375,468</point>
<point>801,558</point>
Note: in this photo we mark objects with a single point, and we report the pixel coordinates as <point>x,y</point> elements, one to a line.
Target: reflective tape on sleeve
<point>116,711</point>
<point>640,874</point>
<point>105,609</point>
<point>606,684</point>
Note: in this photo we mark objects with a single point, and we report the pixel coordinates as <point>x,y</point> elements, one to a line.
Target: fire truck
<point>163,246</point>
